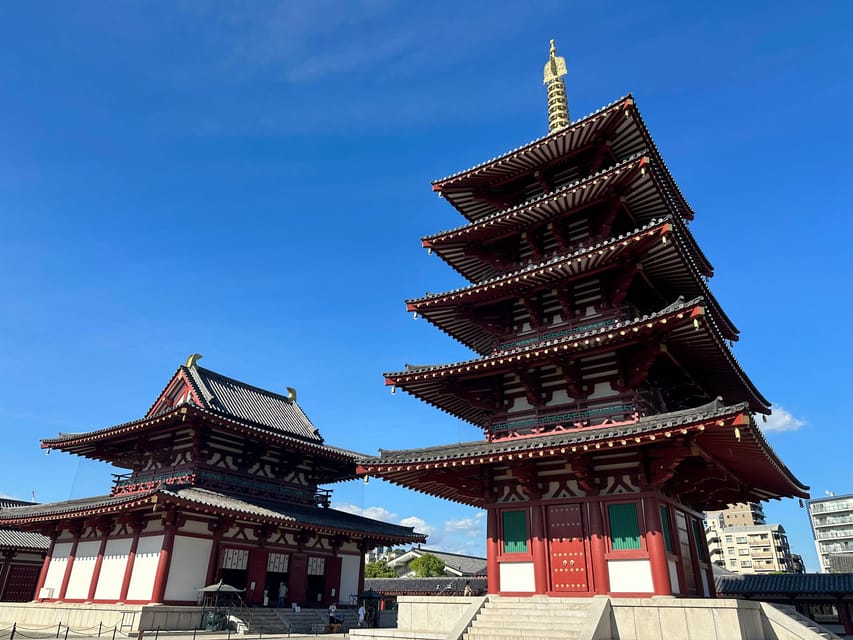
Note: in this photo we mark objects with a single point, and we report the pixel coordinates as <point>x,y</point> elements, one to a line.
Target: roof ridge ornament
<point>558,103</point>
<point>291,395</point>
<point>192,359</point>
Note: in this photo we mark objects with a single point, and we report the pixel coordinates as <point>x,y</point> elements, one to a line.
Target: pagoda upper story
<point>210,431</point>
<point>588,300</point>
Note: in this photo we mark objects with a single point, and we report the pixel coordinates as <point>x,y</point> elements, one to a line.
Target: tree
<point>379,569</point>
<point>427,566</point>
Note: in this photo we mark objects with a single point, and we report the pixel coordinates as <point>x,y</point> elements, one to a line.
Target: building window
<point>515,531</point>
<point>667,534</point>
<point>624,526</point>
<point>730,550</point>
<point>741,539</point>
<point>732,562</point>
<point>729,539</point>
<point>698,540</point>
<point>743,552</point>
<point>746,563</point>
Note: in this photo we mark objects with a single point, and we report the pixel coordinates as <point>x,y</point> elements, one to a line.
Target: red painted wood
<point>128,569</point>
<point>538,541</point>
<point>333,580</point>
<point>65,578</point>
<point>657,548</point>
<point>45,565</point>
<point>492,551</point>
<point>600,579</point>
<point>163,563</point>
<point>256,571</point>
<point>96,572</point>
<point>567,552</point>
<point>297,577</point>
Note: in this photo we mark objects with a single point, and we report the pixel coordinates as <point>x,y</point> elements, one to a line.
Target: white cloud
<point>376,513</point>
<point>781,420</point>
<point>420,525</point>
<point>471,527</point>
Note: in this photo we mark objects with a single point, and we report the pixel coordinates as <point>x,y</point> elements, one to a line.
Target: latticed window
<point>667,534</point>
<point>515,531</point>
<point>624,526</point>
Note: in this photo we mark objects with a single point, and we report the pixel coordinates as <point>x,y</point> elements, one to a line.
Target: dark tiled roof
<point>786,583</point>
<point>5,503</point>
<point>25,540</point>
<point>259,510</point>
<point>245,402</point>
<point>434,586</point>
<point>556,439</point>
<point>467,565</point>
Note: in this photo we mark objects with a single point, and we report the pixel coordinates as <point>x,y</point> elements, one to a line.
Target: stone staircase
<point>262,620</point>
<point>313,620</point>
<point>532,618</point>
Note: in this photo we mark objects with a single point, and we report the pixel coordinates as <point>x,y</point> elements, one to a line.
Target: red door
<point>566,550</point>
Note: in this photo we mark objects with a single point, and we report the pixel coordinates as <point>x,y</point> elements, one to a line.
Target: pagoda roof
<point>244,402</point>
<point>642,191</point>
<point>619,123</point>
<point>203,500</point>
<point>688,340</point>
<point>725,433</point>
<point>668,261</point>
<point>88,443</point>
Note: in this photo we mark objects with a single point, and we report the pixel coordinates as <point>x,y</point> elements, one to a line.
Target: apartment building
<point>832,526</point>
<point>740,540</point>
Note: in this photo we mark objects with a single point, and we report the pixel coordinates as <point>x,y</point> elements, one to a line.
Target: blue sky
<point>250,181</point>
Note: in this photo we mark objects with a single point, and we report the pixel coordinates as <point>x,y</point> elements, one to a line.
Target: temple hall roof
<point>196,499</point>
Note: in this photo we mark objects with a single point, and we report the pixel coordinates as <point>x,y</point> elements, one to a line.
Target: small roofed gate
<point>566,549</point>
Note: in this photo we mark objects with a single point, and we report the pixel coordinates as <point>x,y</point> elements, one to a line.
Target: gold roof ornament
<point>558,103</point>
<point>192,359</point>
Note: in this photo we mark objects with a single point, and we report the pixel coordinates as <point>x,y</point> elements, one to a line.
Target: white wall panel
<point>517,576</point>
<point>145,568</point>
<point>673,577</point>
<point>82,569</point>
<point>188,568</point>
<point>630,576</point>
<point>112,569</point>
<point>56,569</point>
<point>349,577</point>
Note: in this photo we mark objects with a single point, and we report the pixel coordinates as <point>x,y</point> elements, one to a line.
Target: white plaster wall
<point>673,576</point>
<point>349,577</point>
<point>112,569</point>
<point>629,576</point>
<point>56,569</point>
<point>82,569</point>
<point>188,568</point>
<point>145,568</point>
<point>194,526</point>
<point>517,576</point>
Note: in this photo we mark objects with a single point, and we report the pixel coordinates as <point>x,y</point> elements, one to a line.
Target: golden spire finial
<point>558,104</point>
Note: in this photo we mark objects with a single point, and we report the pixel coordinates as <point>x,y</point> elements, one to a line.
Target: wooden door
<point>566,551</point>
<point>686,557</point>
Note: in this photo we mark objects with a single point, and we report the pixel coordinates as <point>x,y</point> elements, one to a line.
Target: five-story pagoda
<point>613,409</point>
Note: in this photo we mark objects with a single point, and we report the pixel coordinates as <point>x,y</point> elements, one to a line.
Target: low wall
<point>424,617</point>
<point>127,618</point>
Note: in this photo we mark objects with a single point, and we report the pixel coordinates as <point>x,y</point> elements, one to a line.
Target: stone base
<point>126,618</point>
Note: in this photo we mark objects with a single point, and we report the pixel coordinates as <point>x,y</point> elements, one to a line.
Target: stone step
<point>535,613</point>
<point>531,634</point>
<point>551,623</point>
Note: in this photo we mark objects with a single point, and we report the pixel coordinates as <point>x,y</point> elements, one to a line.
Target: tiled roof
<point>786,583</point>
<point>555,439</point>
<point>242,401</point>
<point>466,565</point>
<point>259,510</point>
<point>29,540</point>
<point>5,503</point>
<point>434,586</point>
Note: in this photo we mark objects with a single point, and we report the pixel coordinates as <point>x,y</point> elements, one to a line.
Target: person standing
<point>361,613</point>
<point>282,594</point>
<point>333,610</point>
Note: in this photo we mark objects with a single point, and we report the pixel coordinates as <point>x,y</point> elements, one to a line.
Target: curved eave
<point>716,432</point>
<point>668,262</point>
<point>84,444</point>
<point>427,383</point>
<point>85,508</point>
<point>642,192</point>
<point>620,122</point>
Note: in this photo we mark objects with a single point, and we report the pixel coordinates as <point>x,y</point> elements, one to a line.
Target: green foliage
<point>427,566</point>
<point>379,569</point>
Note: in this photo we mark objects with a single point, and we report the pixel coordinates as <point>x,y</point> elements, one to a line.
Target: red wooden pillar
<point>540,552</point>
<point>656,547</point>
<point>256,573</point>
<point>363,549</point>
<point>165,559</point>
<point>297,577</point>
<point>5,570</point>
<point>492,550</point>
<point>333,580</point>
<point>218,528</point>
<point>844,616</point>
<point>67,576</point>
<point>598,549</point>
<point>46,565</point>
<point>105,528</point>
